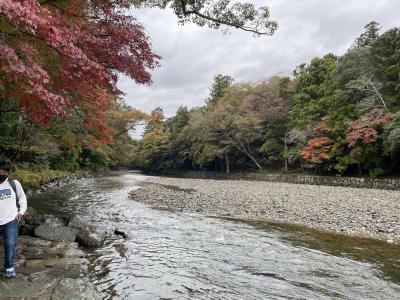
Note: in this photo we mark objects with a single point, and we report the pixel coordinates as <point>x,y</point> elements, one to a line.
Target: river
<point>175,255</point>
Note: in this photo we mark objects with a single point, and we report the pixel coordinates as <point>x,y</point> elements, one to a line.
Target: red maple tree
<point>62,56</point>
<point>319,148</point>
<point>365,128</point>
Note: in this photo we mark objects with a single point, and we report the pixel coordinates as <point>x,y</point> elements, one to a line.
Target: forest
<point>60,61</point>
<point>61,109</point>
<point>337,115</point>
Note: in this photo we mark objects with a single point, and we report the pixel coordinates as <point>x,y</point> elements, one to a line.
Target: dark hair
<point>5,166</point>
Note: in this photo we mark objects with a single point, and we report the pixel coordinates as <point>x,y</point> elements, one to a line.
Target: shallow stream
<point>175,255</point>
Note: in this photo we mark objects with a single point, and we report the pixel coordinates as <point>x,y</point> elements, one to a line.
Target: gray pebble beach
<point>352,211</point>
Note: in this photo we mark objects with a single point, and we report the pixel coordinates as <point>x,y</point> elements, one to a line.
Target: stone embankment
<point>50,261</point>
<point>357,182</point>
<point>353,211</point>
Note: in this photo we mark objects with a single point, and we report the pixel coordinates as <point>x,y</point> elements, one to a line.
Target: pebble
<point>338,209</point>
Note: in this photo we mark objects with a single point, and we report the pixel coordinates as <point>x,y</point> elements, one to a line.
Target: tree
<point>156,121</point>
<point>365,128</point>
<point>151,153</point>
<point>314,92</point>
<point>365,139</point>
<point>61,56</point>
<point>217,90</point>
<point>274,102</point>
<point>369,36</point>
<point>204,150</point>
<point>218,13</point>
<point>386,58</point>
<point>392,142</point>
<point>180,146</point>
<point>233,124</point>
<point>179,121</point>
<point>320,148</point>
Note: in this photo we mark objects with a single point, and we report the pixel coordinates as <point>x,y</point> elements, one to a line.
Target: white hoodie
<point>8,201</point>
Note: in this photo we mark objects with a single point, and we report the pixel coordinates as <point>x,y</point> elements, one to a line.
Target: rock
<point>74,253</point>
<point>79,222</point>
<point>91,238</point>
<point>53,221</point>
<point>35,263</point>
<point>35,242</point>
<point>122,249</point>
<point>79,288</point>
<point>32,251</point>
<point>27,230</point>
<point>65,249</point>
<point>31,217</point>
<point>35,286</point>
<point>48,270</point>
<point>56,233</point>
<point>121,233</point>
<point>350,211</point>
<point>88,234</point>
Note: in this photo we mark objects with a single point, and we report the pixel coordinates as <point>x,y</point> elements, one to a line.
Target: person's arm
<point>21,198</point>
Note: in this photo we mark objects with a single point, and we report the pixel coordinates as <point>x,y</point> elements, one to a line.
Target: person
<point>10,216</point>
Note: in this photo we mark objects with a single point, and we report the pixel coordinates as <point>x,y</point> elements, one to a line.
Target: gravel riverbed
<point>352,211</point>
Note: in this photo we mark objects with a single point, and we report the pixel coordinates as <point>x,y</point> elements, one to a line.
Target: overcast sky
<point>192,56</point>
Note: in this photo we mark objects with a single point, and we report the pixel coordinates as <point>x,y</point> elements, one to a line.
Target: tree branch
<point>218,21</point>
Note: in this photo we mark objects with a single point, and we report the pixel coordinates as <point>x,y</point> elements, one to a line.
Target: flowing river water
<point>175,255</point>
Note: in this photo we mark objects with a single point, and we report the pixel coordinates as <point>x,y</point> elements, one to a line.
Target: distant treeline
<point>67,144</point>
<point>336,114</point>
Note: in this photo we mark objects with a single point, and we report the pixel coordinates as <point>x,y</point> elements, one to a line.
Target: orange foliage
<point>318,149</point>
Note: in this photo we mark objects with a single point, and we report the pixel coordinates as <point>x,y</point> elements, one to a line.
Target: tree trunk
<point>242,148</point>
<point>255,161</point>
<point>227,163</point>
<point>285,155</point>
<point>359,169</point>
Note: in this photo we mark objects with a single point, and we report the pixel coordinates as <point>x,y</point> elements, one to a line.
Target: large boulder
<point>79,222</point>
<point>53,229</point>
<point>30,220</point>
<point>89,235</point>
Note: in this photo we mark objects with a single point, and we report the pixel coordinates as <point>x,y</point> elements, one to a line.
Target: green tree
<point>234,123</point>
<point>369,36</point>
<point>217,90</point>
<point>180,145</point>
<point>386,58</point>
<point>314,93</point>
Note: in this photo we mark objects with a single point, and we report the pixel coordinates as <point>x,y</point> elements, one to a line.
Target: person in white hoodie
<point>11,193</point>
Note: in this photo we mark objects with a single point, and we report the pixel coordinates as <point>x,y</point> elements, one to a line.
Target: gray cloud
<point>192,56</point>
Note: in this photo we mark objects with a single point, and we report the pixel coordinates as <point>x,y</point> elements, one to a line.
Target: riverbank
<point>33,181</point>
<point>368,213</point>
<point>51,261</point>
<point>384,183</point>
<point>48,270</point>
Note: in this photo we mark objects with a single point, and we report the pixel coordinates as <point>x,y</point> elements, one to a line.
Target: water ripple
<point>172,255</point>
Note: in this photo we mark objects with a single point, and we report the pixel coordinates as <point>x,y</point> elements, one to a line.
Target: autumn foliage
<point>62,56</point>
<point>319,148</point>
<point>365,128</point>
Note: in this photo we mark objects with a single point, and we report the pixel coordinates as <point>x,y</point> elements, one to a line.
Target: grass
<point>33,179</point>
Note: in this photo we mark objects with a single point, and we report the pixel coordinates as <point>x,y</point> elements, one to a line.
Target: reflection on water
<point>171,255</point>
<point>380,253</point>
